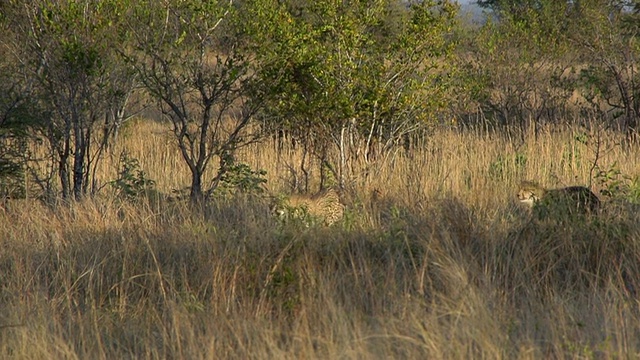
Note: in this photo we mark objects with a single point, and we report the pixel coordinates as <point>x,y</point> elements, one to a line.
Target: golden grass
<point>441,265</point>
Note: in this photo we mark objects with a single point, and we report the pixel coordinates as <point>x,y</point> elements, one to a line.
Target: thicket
<point>350,82</point>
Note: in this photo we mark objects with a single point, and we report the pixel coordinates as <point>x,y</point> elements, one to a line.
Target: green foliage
<point>11,179</point>
<point>336,63</point>
<point>132,181</point>
<point>241,178</point>
<point>20,113</point>
<point>616,185</point>
<point>81,32</point>
<point>514,68</point>
<point>80,58</point>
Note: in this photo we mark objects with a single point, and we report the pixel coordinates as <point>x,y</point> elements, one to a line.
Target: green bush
<point>132,182</point>
<point>241,178</point>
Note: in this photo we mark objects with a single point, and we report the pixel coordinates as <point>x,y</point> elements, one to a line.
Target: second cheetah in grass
<point>567,200</point>
<point>325,207</point>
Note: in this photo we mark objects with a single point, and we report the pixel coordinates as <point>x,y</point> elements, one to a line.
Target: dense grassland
<point>440,263</point>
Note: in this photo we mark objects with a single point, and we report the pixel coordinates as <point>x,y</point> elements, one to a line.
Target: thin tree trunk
<point>343,158</point>
<point>63,173</point>
<point>63,169</point>
<point>78,161</point>
<point>196,186</point>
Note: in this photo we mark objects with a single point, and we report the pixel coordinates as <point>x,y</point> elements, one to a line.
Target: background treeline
<point>350,82</point>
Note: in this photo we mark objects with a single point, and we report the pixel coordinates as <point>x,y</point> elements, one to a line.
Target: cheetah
<point>325,207</point>
<point>569,200</point>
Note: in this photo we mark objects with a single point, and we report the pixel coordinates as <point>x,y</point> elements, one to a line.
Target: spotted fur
<point>325,206</point>
<point>572,199</point>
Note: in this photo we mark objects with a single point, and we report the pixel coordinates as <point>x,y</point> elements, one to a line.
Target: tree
<point>17,114</point>
<point>355,76</point>
<point>187,57</point>
<point>515,67</point>
<point>631,19</point>
<point>586,45</point>
<point>67,49</point>
<point>607,39</point>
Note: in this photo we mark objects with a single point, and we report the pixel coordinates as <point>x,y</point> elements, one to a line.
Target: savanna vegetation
<point>142,144</point>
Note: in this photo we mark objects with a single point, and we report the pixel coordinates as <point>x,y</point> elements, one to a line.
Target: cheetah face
<point>278,208</point>
<point>528,197</point>
<point>284,210</point>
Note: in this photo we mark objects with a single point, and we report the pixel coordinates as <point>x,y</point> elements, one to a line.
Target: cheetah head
<point>530,193</point>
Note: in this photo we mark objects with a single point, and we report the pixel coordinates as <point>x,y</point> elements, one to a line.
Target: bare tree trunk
<point>343,159</point>
<point>64,150</point>
<point>63,173</point>
<point>196,194</point>
<point>304,170</point>
<point>78,160</point>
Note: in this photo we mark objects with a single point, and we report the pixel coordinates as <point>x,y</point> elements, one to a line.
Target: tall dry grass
<point>440,264</point>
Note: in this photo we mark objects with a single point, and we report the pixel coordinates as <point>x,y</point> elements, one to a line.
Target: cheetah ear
<point>376,194</point>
